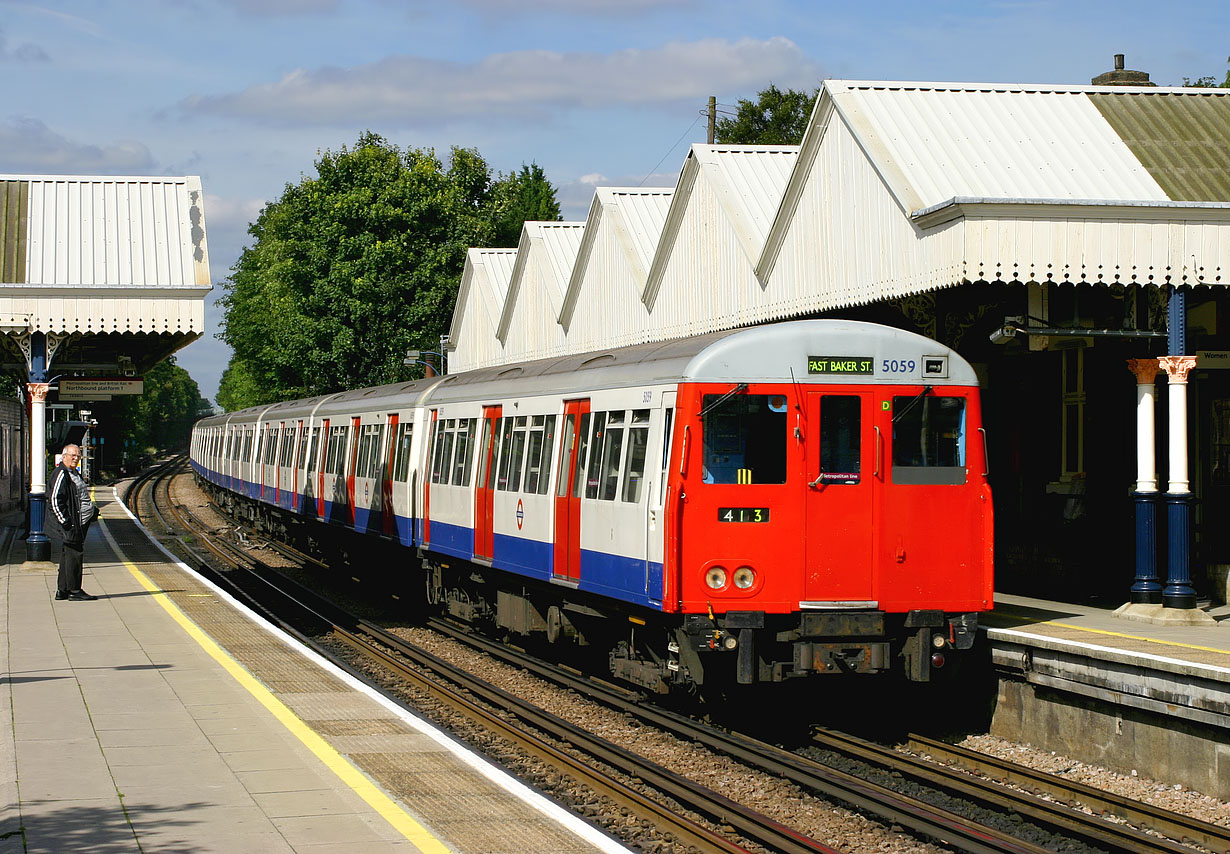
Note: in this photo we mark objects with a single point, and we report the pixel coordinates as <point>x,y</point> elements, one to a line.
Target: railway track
<point>459,690</point>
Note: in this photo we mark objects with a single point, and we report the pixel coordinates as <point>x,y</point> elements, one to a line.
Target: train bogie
<point>762,504</point>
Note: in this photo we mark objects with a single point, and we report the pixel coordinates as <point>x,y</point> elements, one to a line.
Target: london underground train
<point>749,506</point>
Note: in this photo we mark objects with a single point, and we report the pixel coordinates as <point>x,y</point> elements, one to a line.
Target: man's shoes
<point>81,596</point>
<point>60,594</point>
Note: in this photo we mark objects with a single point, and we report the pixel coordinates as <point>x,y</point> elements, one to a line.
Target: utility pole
<point>712,118</point>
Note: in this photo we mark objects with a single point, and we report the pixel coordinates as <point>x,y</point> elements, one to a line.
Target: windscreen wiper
<point>897,416</point>
<point>741,387</point>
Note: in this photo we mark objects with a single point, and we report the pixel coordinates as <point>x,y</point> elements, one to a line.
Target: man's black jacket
<point>65,521</point>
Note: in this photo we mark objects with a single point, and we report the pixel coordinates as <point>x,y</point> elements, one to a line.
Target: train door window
<point>565,450</point>
<point>928,439</point>
<point>401,464</point>
<point>593,471</point>
<point>506,443</point>
<point>518,453</point>
<point>446,454</point>
<point>288,446</point>
<point>612,453</point>
<point>271,445</point>
<point>376,466</point>
<point>582,450</point>
<point>634,466</point>
<point>840,438</point>
<point>744,438</point>
<point>437,444</point>
<point>303,445</point>
<point>365,442</point>
<point>463,451</point>
<point>667,421</point>
<point>488,447</point>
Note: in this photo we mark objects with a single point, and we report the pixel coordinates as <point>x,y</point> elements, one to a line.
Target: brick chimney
<point>1119,77</point>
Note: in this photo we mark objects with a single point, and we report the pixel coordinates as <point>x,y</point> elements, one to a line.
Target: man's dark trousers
<point>70,567</point>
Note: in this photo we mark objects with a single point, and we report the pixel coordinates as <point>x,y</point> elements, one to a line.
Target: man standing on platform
<point>72,511</point>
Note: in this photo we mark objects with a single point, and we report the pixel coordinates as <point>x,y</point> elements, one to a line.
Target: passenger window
<point>840,438</point>
<point>548,448</point>
<point>611,455</point>
<point>465,451</point>
<point>744,438</point>
<point>538,454</point>
<point>313,447</point>
<point>928,439</point>
<point>437,446</point>
<point>446,453</point>
<point>518,454</point>
<point>634,468</point>
<point>506,441</point>
<point>593,472</point>
<point>401,465</point>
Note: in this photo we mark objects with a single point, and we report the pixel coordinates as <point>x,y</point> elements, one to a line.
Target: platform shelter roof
<point>903,188</point>
<point>105,266</point>
<point>602,305</point>
<point>480,300</point>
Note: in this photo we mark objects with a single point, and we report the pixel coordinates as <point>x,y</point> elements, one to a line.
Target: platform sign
<point>99,388</point>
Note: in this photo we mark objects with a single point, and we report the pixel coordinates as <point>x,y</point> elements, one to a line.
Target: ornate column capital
<point>1144,369</point>
<point>1177,367</point>
<point>38,391</point>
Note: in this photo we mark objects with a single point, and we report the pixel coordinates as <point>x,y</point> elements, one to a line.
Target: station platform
<point>1137,697</point>
<point>163,717</point>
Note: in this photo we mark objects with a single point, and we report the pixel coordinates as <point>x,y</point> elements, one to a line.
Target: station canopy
<point>113,270</point>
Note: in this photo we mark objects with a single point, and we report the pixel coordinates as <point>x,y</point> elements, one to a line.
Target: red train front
<point>836,522</point>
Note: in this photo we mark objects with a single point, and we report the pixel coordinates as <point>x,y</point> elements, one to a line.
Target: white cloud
<point>410,91</point>
<point>28,145</point>
<point>24,52</point>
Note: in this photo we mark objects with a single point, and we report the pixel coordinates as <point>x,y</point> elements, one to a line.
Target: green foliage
<point>774,118</point>
<point>1209,82</point>
<point>350,269</point>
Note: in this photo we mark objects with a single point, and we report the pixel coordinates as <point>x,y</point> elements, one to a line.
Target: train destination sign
<point>743,514</point>
<point>840,365</point>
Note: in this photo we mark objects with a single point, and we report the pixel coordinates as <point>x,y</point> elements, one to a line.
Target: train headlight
<point>744,577</point>
<point>716,577</point>
<point>937,641</point>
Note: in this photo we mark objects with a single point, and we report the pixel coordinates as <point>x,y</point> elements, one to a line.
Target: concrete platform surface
<point>126,726</point>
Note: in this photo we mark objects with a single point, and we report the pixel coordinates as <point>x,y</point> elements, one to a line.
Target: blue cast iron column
<point>1146,589</point>
<point>38,547</point>
<point>1178,592</point>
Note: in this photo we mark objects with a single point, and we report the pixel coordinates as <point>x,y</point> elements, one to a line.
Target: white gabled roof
<point>936,141</point>
<point>484,282</point>
<point>556,244</point>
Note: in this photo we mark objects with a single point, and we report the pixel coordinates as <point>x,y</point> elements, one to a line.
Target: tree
<point>350,269</point>
<point>1209,82</point>
<point>774,118</point>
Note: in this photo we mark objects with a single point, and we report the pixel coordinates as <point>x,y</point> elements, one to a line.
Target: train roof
<point>775,353</point>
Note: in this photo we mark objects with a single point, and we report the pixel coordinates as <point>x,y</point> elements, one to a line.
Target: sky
<point>247,93</point>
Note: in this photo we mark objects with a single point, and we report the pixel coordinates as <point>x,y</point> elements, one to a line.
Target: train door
<point>567,562</point>
<point>844,468</point>
<point>656,518</point>
<point>484,486</point>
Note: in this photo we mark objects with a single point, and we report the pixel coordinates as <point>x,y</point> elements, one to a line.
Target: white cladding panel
<point>750,182</point>
<point>643,213</point>
<point>484,282</point>
<point>608,310</point>
<point>707,281</point>
<point>78,311</point>
<point>533,332</point>
<point>1009,142</point>
<point>848,242</point>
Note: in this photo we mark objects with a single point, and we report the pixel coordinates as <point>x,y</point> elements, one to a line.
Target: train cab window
<point>840,438</point>
<point>634,465</point>
<point>401,463</point>
<point>744,439</point>
<point>928,439</point>
<point>464,453</point>
<point>538,454</point>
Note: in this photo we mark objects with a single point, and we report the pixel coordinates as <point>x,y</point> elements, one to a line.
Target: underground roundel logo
<point>520,514</point>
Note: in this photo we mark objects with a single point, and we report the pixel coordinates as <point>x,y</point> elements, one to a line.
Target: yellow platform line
<point>1037,622</point>
<point>338,764</point>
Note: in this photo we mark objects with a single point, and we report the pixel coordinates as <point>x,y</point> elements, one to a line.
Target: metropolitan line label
<point>840,365</point>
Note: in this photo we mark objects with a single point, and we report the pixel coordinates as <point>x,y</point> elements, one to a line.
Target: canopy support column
<point>1146,590</point>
